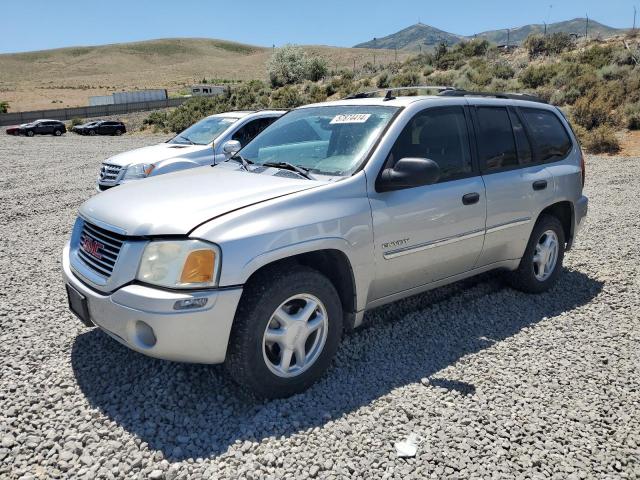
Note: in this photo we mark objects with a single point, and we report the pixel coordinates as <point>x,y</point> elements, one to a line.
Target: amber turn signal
<point>198,267</point>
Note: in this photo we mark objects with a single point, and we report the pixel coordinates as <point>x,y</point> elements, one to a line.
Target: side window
<point>549,135</point>
<point>496,144</point>
<point>522,141</point>
<point>439,134</point>
<point>247,133</point>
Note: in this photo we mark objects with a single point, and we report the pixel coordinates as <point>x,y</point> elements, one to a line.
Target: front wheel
<point>30,133</point>
<point>118,132</point>
<point>286,331</point>
<point>57,133</point>
<point>92,132</point>
<point>542,260</point>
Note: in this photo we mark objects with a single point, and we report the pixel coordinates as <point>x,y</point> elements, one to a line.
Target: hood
<point>175,204</point>
<point>156,153</point>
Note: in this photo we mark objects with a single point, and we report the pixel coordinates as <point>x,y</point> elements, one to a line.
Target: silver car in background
<point>200,144</point>
<point>265,260</point>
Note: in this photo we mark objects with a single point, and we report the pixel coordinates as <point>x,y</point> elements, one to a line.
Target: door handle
<point>539,184</point>
<point>470,198</point>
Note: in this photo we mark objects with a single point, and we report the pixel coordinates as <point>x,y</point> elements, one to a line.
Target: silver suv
<point>203,143</point>
<point>265,260</point>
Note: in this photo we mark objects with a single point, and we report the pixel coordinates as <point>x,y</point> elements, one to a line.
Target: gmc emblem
<point>91,246</point>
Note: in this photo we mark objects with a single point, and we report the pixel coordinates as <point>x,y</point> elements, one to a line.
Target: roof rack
<point>447,92</point>
<point>389,91</point>
<point>511,96</point>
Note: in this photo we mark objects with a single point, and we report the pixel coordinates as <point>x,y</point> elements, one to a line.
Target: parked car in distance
<point>200,144</point>
<point>14,129</point>
<point>43,127</point>
<point>263,261</point>
<point>100,127</point>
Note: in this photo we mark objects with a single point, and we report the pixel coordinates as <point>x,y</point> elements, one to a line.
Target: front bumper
<point>199,335</point>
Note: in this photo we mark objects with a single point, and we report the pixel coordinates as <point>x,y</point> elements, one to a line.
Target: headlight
<point>139,170</point>
<point>180,264</point>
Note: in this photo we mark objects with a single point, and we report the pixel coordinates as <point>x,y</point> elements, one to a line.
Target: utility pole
<point>634,18</point>
<point>508,37</point>
<point>545,28</point>
<point>396,49</point>
<point>586,28</point>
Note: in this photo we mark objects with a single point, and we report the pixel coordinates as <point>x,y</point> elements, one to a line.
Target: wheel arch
<point>332,263</point>
<point>565,212</point>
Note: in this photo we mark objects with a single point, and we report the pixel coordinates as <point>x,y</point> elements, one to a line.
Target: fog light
<point>145,334</point>
<point>190,303</point>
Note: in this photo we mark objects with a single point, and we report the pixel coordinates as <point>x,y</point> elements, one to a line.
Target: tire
<point>57,133</point>
<point>92,132</point>
<point>30,133</point>
<point>118,132</point>
<point>530,277</point>
<point>252,359</point>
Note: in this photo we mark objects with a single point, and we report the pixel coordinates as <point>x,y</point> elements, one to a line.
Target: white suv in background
<point>200,144</point>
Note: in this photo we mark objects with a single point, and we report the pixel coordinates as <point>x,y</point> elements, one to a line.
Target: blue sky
<point>43,24</point>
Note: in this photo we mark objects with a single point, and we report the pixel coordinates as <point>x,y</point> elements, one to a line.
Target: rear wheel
<point>30,133</point>
<point>57,133</point>
<point>542,260</point>
<point>92,132</point>
<point>286,331</point>
<point>118,132</point>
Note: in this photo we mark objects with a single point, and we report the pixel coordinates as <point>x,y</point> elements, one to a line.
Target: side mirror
<point>231,147</point>
<point>407,173</point>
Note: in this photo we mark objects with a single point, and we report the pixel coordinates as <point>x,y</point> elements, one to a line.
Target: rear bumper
<point>197,335</point>
<point>580,209</point>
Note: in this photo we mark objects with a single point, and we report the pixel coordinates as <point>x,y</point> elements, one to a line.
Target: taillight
<point>583,168</point>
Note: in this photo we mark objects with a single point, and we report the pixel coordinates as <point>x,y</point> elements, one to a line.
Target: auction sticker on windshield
<point>351,118</point>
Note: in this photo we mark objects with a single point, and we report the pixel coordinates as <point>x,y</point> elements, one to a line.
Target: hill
<point>420,35</point>
<point>413,38</point>
<point>68,76</point>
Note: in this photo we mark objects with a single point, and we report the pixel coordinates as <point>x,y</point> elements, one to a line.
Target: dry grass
<point>68,76</point>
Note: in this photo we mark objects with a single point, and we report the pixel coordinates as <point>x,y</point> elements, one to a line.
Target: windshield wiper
<point>241,160</point>
<point>187,139</point>
<point>290,166</point>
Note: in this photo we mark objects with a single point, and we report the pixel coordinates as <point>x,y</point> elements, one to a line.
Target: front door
<point>424,234</point>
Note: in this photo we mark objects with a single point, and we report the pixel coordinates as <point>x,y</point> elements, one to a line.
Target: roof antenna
<point>389,96</point>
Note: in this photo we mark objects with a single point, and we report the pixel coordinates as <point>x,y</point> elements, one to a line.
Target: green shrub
<point>442,78</point>
<point>614,72</point>
<point>554,44</point>
<point>632,116</point>
<point>384,80</point>
<point>428,70</point>
<point>590,112</point>
<point>315,93</point>
<point>4,106</point>
<point>287,97</point>
<point>287,65</point>
<point>472,48</point>
<point>406,79</point>
<point>76,121</point>
<point>536,76</point>
<point>600,140</point>
<point>597,56</point>
<point>502,70</point>
<point>316,69</point>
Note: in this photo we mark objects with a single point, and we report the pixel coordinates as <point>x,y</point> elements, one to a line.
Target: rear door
<point>427,233</point>
<point>516,184</point>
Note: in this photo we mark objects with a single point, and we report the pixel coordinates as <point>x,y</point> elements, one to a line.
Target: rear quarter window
<point>550,138</point>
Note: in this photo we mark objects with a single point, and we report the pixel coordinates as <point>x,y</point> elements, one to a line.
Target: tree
<point>317,69</point>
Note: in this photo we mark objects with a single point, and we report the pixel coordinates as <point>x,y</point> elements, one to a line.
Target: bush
<point>76,121</point>
<point>632,116</point>
<point>502,70</point>
<point>536,76</point>
<point>384,80</point>
<point>442,78</point>
<point>597,56</point>
<point>600,140</point>
<point>590,112</point>
<point>287,65</point>
<point>287,97</point>
<point>614,72</point>
<point>554,44</point>
<point>406,79</point>
<point>316,69</point>
<point>4,107</point>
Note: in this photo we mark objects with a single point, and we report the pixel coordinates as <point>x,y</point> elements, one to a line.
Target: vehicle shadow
<point>195,411</point>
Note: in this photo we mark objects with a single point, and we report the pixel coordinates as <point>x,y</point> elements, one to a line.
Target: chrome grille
<point>99,248</point>
<point>109,173</point>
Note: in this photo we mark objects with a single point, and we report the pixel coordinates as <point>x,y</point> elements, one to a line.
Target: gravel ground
<point>494,383</point>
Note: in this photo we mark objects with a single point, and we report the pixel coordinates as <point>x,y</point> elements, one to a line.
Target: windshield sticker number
<point>350,118</point>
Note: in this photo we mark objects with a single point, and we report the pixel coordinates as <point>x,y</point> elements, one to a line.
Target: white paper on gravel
<point>408,447</point>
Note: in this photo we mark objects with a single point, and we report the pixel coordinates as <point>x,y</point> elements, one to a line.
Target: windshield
<point>326,140</point>
<point>203,132</point>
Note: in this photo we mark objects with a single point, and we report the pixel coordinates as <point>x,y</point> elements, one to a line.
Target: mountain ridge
<point>419,36</point>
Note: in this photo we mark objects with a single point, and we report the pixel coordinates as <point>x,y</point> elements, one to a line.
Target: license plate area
<point>78,305</point>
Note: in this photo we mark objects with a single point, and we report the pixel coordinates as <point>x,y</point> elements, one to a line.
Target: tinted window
<point>251,129</point>
<point>522,141</point>
<point>550,138</point>
<point>439,134</point>
<point>496,145</point>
